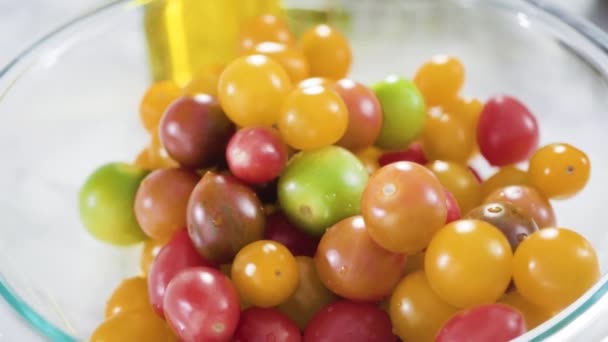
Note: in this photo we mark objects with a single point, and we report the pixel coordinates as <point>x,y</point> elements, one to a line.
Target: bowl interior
<point>71,104</point>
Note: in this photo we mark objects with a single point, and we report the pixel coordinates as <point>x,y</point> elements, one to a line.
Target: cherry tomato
<point>511,220</point>
<point>559,170</point>
<point>195,131</point>
<point>529,200</point>
<point>468,262</point>
<point>369,159</point>
<point>315,81</point>
<point>161,201</point>
<point>349,321</point>
<point>140,325</point>
<point>355,267</point>
<point>106,204</point>
<point>256,154</point>
<point>156,156</point>
<point>440,79</point>
<point>555,266</point>
<point>445,137</point>
<point>484,323</point>
<point>403,206</point>
<point>279,229</point>
<point>364,114</point>
<point>506,175</point>
<point>155,101</point>
<point>460,181</point>
<point>149,253</point>
<point>403,110</point>
<point>130,295</point>
<point>201,304</point>
<point>452,207</point>
<point>476,174</point>
<point>251,90</point>
<point>264,28</point>
<point>414,263</point>
<point>177,255</point>
<point>507,133</point>
<point>265,273</point>
<point>468,111</point>
<point>205,80</point>
<point>533,314</point>
<point>327,50</point>
<point>223,216</point>
<point>310,295</point>
<point>414,154</point>
<point>262,325</point>
<point>289,56</point>
<point>313,117</point>
<point>321,187</point>
<point>416,312</point>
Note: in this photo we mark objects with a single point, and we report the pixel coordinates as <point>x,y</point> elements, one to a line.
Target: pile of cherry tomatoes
<point>281,201</point>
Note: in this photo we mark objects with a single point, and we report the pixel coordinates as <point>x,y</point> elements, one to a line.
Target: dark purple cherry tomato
<point>364,114</point>
<point>265,325</point>
<point>414,153</point>
<point>224,215</point>
<point>453,208</point>
<point>201,304</point>
<point>484,323</point>
<point>511,220</point>
<point>194,130</point>
<point>347,321</point>
<point>176,255</point>
<point>279,229</point>
<point>507,132</point>
<point>256,154</point>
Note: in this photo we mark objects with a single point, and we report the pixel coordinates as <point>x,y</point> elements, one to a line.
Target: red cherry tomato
<point>414,153</point>
<point>279,229</point>
<point>201,304</point>
<point>256,154</point>
<point>507,132</point>
<point>264,325</point>
<point>453,208</point>
<point>347,321</point>
<point>484,323</point>
<point>177,255</point>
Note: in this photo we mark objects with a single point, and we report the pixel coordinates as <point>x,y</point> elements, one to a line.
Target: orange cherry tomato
<point>251,90</point>
<point>140,325</point>
<point>130,295</point>
<point>533,314</point>
<point>155,101</point>
<point>205,80</point>
<point>417,313</point>
<point>148,253</point>
<point>506,175</point>
<point>559,170</point>
<point>315,81</point>
<point>265,273</point>
<point>440,79</point>
<point>445,137</point>
<point>327,50</point>
<point>313,117</point>
<point>467,110</point>
<point>460,181</point>
<point>289,56</point>
<point>264,28</point>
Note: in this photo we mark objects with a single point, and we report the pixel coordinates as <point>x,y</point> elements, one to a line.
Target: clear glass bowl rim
<point>586,29</point>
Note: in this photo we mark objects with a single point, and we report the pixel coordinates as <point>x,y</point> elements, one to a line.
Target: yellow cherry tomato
<point>533,314</point>
<point>468,262</point>
<point>265,273</point>
<point>460,181</point>
<point>416,312</point>
<point>155,101</point>
<point>313,117</point>
<point>148,253</point>
<point>289,56</point>
<point>554,266</point>
<point>467,110</point>
<point>205,80</point>
<point>505,176</point>
<point>440,79</point>
<point>369,158</point>
<point>327,50</point>
<point>251,90</point>
<point>559,170</point>
<point>310,296</point>
<point>264,28</point>
<point>141,325</point>
<point>445,137</point>
<point>315,81</point>
<point>130,295</point>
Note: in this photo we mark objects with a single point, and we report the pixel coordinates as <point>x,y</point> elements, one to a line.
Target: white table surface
<point>23,21</point>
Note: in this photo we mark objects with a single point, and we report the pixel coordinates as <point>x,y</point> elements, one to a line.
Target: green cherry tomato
<point>321,187</point>
<point>404,112</point>
<point>106,203</point>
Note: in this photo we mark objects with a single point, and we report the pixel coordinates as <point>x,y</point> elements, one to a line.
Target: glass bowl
<point>70,103</point>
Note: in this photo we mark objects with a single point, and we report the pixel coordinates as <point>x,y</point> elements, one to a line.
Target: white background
<point>21,22</point>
